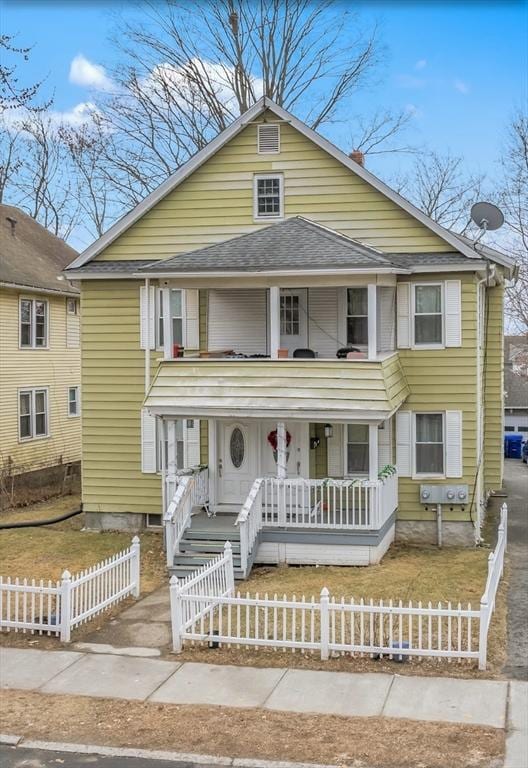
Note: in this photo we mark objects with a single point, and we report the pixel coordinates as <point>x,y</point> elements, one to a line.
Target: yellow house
<point>326,357</point>
<point>40,361</point>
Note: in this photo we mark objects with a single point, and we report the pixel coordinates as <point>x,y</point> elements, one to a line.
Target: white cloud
<point>461,86</point>
<point>413,110</point>
<point>421,64</point>
<point>76,116</point>
<point>86,73</point>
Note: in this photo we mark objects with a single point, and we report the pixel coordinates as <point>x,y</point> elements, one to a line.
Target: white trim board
<point>263,104</point>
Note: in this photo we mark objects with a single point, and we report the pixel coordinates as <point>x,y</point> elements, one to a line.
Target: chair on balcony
<point>303,353</point>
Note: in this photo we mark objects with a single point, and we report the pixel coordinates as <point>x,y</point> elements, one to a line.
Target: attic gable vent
<point>268,138</point>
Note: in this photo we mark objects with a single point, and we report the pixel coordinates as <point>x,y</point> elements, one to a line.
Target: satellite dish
<point>487,216</point>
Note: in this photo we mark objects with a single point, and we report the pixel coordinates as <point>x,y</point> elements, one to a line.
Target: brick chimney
<point>357,156</point>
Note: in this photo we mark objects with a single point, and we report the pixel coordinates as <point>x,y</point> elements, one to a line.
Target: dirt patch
<point>246,733</point>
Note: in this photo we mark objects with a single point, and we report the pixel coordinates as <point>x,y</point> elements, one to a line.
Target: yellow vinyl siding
<point>57,368</point>
<point>216,202</point>
<point>113,376</point>
<point>494,391</point>
<point>443,380</point>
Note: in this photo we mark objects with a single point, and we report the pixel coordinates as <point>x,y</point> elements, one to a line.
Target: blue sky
<point>461,67</point>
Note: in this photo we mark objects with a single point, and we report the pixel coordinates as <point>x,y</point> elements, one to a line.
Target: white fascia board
<point>478,265</point>
<point>169,184</point>
<point>109,276</point>
<point>275,273</point>
<point>361,415</point>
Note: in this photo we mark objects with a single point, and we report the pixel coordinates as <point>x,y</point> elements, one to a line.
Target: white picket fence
<point>205,608</point>
<point>55,608</point>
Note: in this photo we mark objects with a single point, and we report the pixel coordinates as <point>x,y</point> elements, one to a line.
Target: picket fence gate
<point>205,608</point>
<point>55,608</point>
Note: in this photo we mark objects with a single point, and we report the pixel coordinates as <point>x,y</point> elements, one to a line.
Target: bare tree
<point>514,201</point>
<point>36,175</point>
<point>13,95</point>
<point>438,185</point>
<point>188,70</point>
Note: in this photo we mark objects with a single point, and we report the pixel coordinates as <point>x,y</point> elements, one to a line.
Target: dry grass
<point>44,553</point>
<point>251,733</point>
<point>406,573</point>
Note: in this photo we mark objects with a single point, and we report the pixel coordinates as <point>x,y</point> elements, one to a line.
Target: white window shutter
<point>385,444</point>
<point>453,439</point>
<point>148,442</point>
<point>334,448</point>
<point>191,432</point>
<point>403,314</point>
<point>147,335</point>
<point>453,313</point>
<point>403,443</point>
<point>192,319</point>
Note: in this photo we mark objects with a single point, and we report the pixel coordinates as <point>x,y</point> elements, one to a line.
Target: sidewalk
<point>489,703</point>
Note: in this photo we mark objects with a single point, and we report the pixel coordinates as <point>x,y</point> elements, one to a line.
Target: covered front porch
<point>294,492</point>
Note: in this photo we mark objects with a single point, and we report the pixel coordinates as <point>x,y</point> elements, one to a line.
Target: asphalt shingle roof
<point>31,255</point>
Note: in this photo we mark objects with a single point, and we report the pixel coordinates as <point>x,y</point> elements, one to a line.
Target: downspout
<point>147,340</point>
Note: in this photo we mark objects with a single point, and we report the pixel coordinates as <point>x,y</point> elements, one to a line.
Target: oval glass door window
<point>237,447</point>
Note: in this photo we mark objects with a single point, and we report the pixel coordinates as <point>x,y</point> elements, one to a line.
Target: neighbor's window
<point>162,446</point>
<point>33,413</point>
<point>357,449</point>
<point>268,197</point>
<point>73,401</point>
<point>71,306</point>
<point>33,323</point>
<point>357,316</point>
<point>429,443</point>
<point>176,314</point>
<point>428,314</point>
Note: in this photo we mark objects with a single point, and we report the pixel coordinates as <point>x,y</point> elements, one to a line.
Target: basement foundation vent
<point>268,139</point>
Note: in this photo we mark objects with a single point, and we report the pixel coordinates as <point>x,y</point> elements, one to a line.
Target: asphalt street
<point>11,757</point>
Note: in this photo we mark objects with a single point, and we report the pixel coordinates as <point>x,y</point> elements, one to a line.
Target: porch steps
<point>202,542</point>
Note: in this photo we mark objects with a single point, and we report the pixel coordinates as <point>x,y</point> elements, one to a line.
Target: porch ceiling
<point>316,390</point>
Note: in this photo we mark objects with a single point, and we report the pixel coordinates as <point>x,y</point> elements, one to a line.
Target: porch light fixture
<point>328,431</point>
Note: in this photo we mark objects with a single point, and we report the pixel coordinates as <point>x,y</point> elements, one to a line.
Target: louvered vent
<point>268,138</point>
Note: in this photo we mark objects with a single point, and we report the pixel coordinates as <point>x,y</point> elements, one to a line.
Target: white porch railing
<point>250,522</point>
<point>358,504</point>
<point>191,490</point>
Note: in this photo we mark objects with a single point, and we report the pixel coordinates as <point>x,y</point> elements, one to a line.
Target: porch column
<point>372,321</point>
<point>281,450</point>
<point>167,326</point>
<point>172,462</point>
<point>373,451</point>
<point>274,321</point>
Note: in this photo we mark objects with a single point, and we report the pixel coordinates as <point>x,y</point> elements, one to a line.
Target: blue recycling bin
<point>512,445</point>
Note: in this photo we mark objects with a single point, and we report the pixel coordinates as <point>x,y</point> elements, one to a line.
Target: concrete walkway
<point>477,702</point>
<point>516,484</point>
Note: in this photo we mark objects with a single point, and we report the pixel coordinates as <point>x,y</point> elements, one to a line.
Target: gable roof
<point>264,103</point>
<point>30,255</point>
<point>294,243</point>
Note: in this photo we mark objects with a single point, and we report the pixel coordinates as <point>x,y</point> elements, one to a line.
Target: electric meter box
<point>444,494</point>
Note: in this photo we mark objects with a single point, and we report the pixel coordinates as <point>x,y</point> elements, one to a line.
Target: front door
<point>237,447</point>
<point>297,453</point>
<point>293,319</point>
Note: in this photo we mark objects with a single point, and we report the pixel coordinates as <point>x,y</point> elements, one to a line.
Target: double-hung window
<point>33,323</point>
<point>71,306</point>
<point>32,413</point>
<point>429,443</point>
<point>73,401</point>
<point>357,449</point>
<point>428,322</point>
<point>176,312</point>
<point>268,197</point>
<point>357,316</point>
